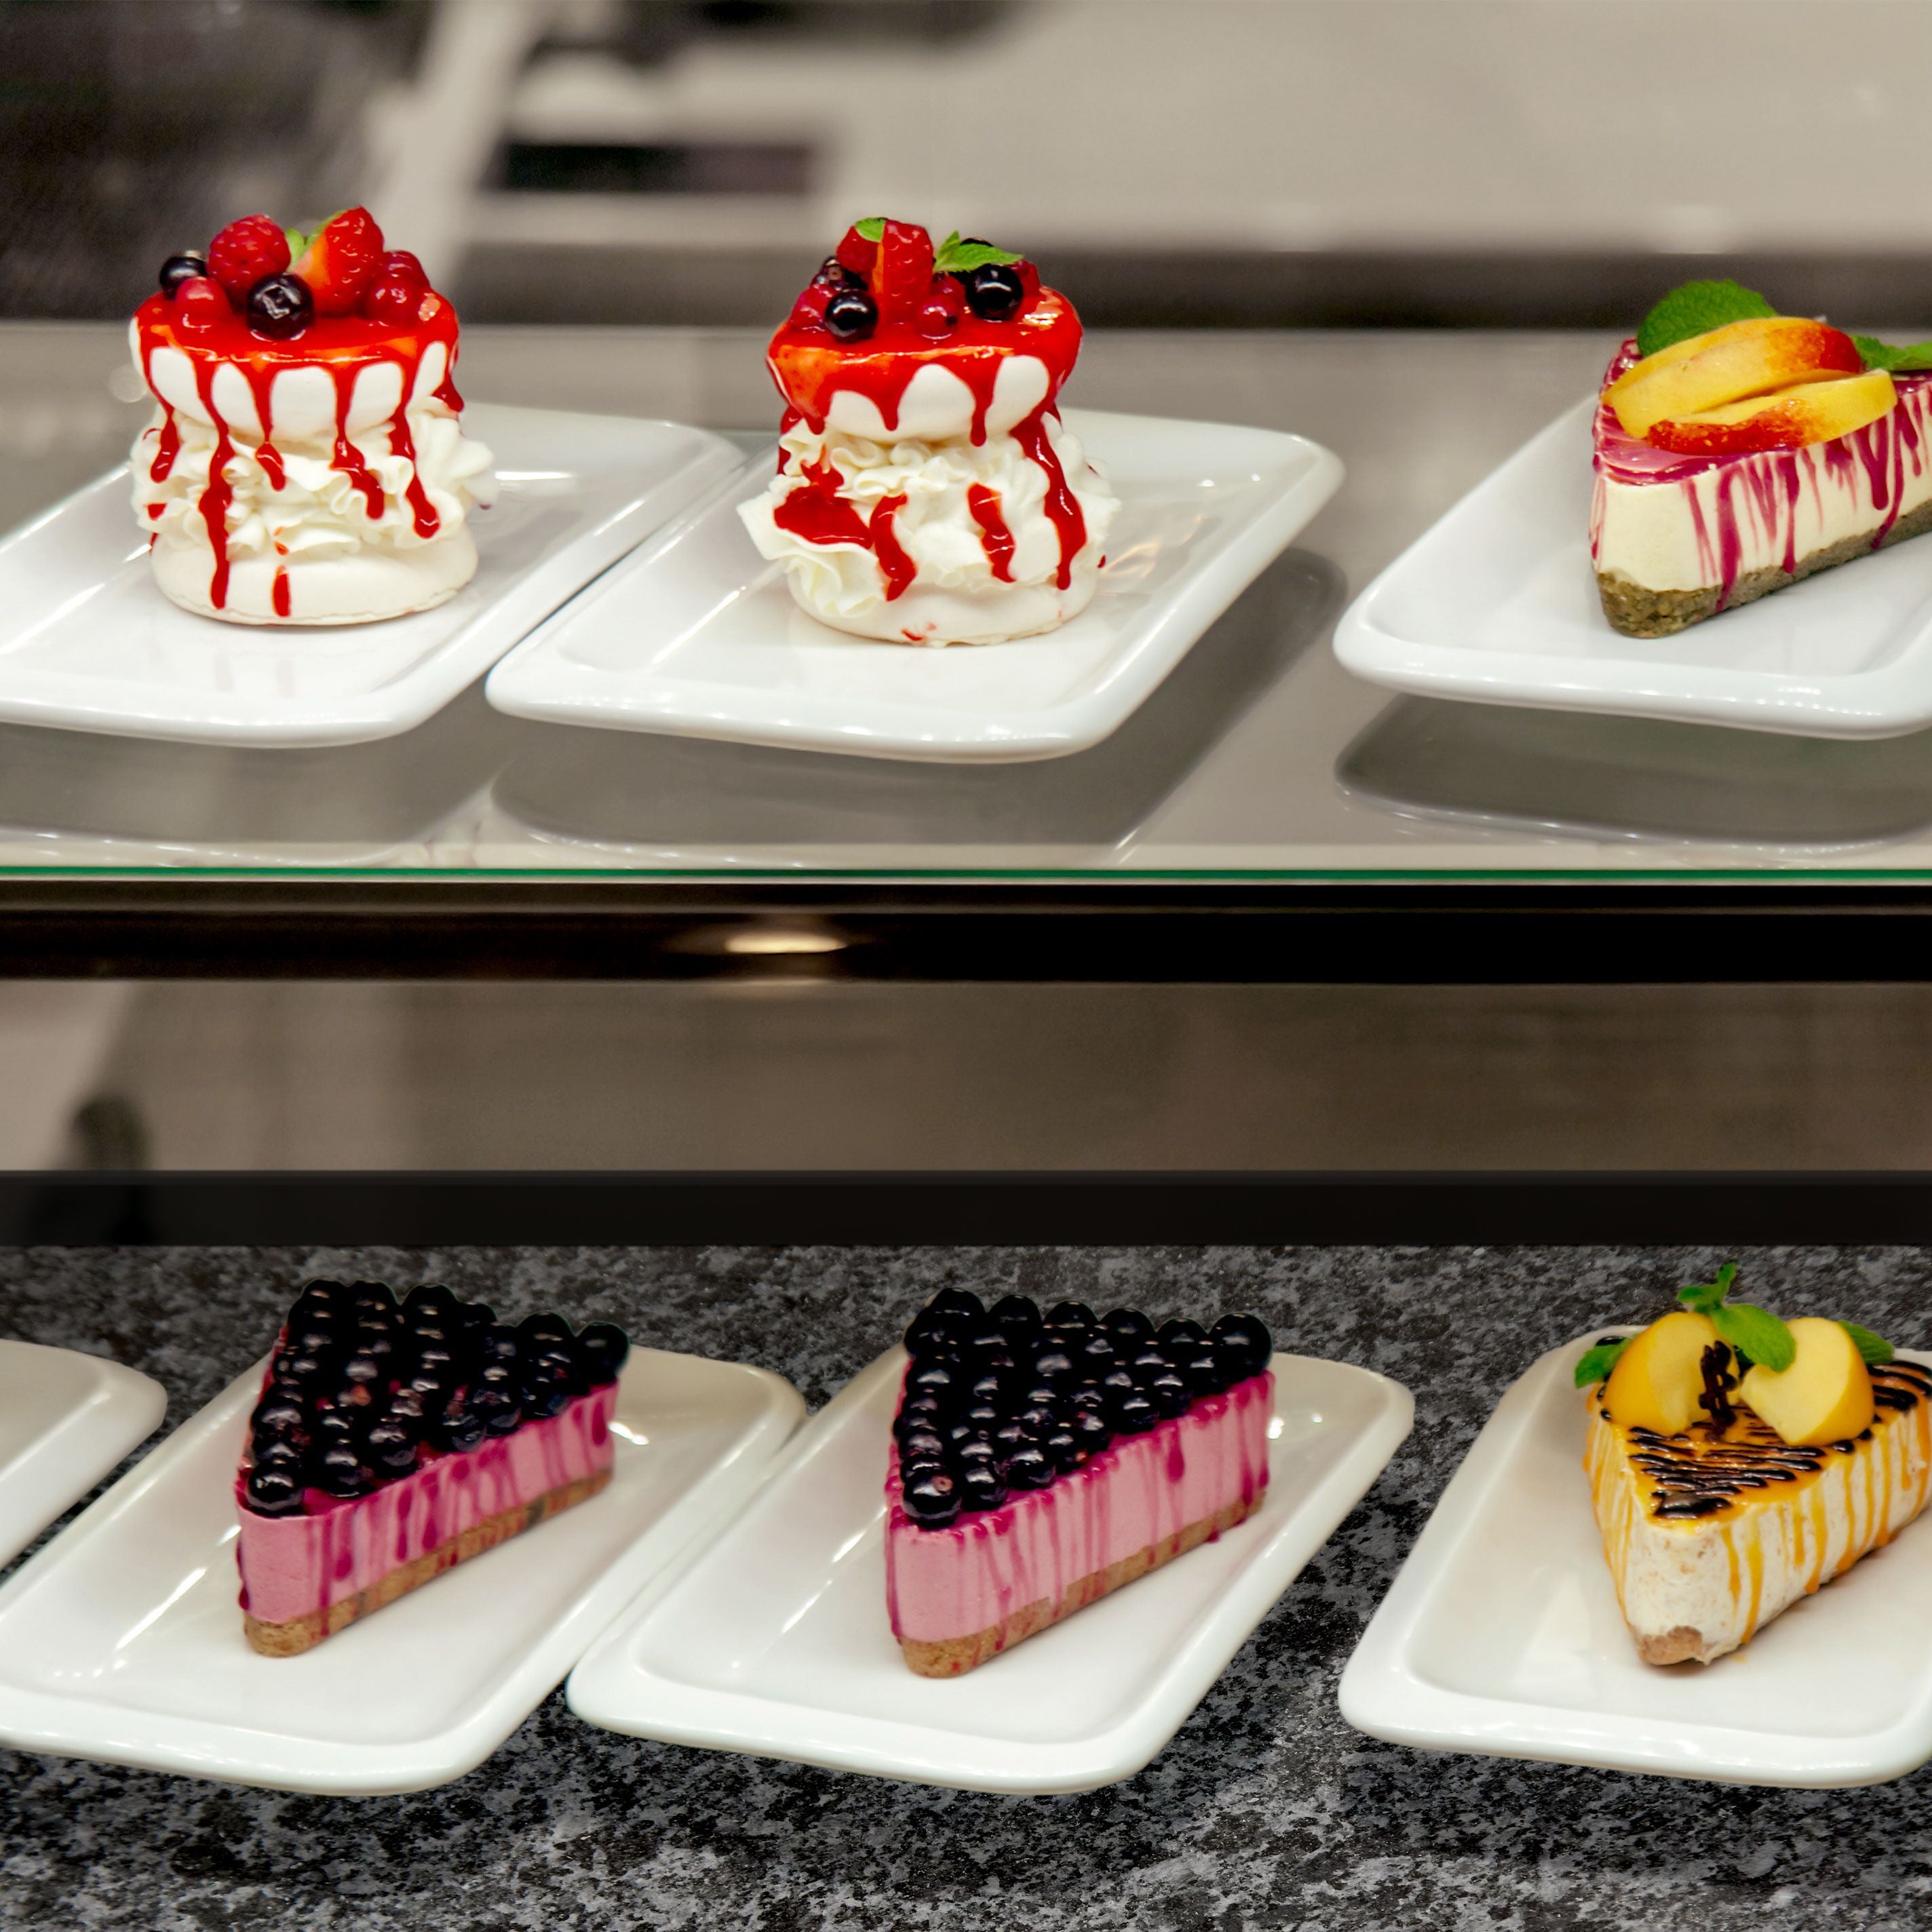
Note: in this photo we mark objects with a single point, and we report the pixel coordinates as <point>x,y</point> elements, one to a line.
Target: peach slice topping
<point>1755,358</point>
<point>1808,412</point>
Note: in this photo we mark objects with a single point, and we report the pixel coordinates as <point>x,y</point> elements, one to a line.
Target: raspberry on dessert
<point>341,260</point>
<point>246,251</point>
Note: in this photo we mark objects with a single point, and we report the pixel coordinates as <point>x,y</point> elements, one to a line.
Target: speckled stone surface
<point>1266,1810</point>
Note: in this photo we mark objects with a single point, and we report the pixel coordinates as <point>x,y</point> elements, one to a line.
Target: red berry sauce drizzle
<point>344,346</point>
<point>810,368</point>
<point>1766,487</point>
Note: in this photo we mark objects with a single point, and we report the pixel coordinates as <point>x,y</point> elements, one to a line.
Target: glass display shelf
<point>1348,832</point>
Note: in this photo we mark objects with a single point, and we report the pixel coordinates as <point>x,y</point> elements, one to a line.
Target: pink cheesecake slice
<point>1109,1449</point>
<point>391,1443</point>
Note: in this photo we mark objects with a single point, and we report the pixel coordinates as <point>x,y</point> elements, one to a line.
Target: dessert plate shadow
<point>683,800</point>
<point>774,1641</point>
<point>65,1420</point>
<point>1501,1636</point>
<point>697,635</point>
<point>122,1640</point>
<point>1497,602</point>
<point>87,641</point>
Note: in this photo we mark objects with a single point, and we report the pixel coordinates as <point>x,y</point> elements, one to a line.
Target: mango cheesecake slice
<point>1737,1462</point>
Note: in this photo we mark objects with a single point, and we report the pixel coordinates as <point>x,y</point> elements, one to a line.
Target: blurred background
<point>1261,163</point>
<point>1540,166</point>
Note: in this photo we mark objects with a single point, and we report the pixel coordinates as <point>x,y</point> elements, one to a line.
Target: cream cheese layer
<point>1717,1539</point>
<point>977,1571</point>
<point>293,1565</point>
<point>1674,523</point>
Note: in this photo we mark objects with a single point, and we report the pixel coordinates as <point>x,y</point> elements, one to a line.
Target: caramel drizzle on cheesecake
<point>1711,1469</point>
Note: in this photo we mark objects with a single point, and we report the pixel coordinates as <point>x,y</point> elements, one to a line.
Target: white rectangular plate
<point>65,1420</point>
<point>775,1640</point>
<point>87,641</point>
<point>698,636</point>
<point>122,1640</point>
<point>1502,1635</point>
<point>1498,603</point>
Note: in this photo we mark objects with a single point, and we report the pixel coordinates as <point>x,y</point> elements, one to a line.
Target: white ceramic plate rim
<point>611,1689</point>
<point>1887,702</point>
<point>536,680</point>
<point>35,695</point>
<point>118,1413</point>
<point>1385,1695</point>
<point>103,1731</point>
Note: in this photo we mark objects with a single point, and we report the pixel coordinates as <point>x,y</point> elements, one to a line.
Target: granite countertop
<point>1266,1810</point>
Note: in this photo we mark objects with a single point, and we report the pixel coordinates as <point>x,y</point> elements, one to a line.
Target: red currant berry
<point>940,313</point>
<point>199,305</point>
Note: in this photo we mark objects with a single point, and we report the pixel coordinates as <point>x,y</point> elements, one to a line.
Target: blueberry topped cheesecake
<point>1038,1463</point>
<point>1737,1462</point>
<point>391,1441</point>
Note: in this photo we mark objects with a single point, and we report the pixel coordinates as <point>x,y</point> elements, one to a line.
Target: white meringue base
<point>954,597</point>
<point>992,614</point>
<point>362,586</point>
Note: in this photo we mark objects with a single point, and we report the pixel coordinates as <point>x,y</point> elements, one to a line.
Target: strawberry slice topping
<point>855,253</point>
<point>340,260</point>
<point>904,278</point>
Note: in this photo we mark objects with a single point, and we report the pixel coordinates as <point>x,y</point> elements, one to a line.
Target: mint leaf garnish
<point>956,257</point>
<point>1884,356</point>
<point>872,229</point>
<point>1755,1332</point>
<point>1598,1361</point>
<point>1701,1297</point>
<point>1695,309</point>
<point>1873,1348</point>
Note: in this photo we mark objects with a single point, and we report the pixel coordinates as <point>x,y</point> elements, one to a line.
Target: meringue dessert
<point>1036,1465</point>
<point>1737,1462</point>
<point>305,464</point>
<point>391,1442</point>
<point>1737,451</point>
<point>927,491</point>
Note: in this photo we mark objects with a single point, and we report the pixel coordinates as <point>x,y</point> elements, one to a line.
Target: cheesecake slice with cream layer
<point>1727,1489</point>
<point>1736,451</point>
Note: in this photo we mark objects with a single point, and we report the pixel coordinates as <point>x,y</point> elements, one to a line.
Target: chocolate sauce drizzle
<point>1707,1469</point>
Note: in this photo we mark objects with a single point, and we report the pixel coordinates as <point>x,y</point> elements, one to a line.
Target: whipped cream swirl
<point>971,552</point>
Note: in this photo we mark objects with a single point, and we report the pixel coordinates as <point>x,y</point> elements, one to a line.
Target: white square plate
<point>87,641</point>
<point>697,635</point>
<point>1497,602</point>
<point>122,1640</point>
<point>1502,1635</point>
<point>65,1420</point>
<point>775,1640</point>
